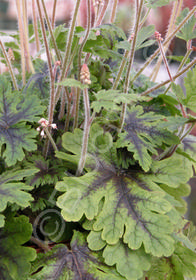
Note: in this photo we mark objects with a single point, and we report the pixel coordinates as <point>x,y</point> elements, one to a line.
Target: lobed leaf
<point>77,263</point>
<point>14,258</point>
<point>13,191</point>
<point>15,111</point>
<point>127,261</point>
<point>133,208</point>
<point>112,100</point>
<point>188,31</point>
<point>142,134</point>
<point>176,267</point>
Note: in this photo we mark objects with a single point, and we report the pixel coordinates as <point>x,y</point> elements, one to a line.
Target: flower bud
<point>85,75</point>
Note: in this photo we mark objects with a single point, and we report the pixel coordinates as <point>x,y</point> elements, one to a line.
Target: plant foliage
<point>96,157</point>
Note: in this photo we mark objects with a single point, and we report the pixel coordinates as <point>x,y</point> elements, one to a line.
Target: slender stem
<point>21,32</point>
<point>68,112</point>
<point>122,66</point>
<point>9,65</point>
<point>62,107</point>
<point>35,27</point>
<point>77,106</point>
<point>40,244</point>
<point>165,60</point>
<point>180,66</point>
<point>144,18</point>
<point>80,59</point>
<point>113,13</point>
<point>87,124</point>
<point>52,77</point>
<point>171,25</point>
<point>173,148</point>
<point>127,78</point>
<point>68,48</point>
<point>51,32</point>
<point>168,39</point>
<point>54,13</point>
<point>26,36</point>
<point>169,81</point>
<point>102,13</point>
<point>48,133</point>
<point>86,34</point>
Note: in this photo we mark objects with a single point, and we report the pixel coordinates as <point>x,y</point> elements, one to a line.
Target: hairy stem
<point>26,37</point>
<point>51,32</point>
<point>80,60</point>
<point>68,111</point>
<point>102,13</point>
<point>9,66</point>
<point>48,133</point>
<point>35,27</point>
<point>183,62</point>
<point>169,81</point>
<point>87,125</point>
<point>68,48</point>
<point>170,27</point>
<point>168,39</point>
<point>40,244</point>
<point>52,78</point>
<point>114,9</point>
<point>127,78</point>
<point>21,32</point>
<point>54,13</point>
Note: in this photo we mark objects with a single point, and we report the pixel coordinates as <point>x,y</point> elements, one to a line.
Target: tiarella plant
<point>96,156</point>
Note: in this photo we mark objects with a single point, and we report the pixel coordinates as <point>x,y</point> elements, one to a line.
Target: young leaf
<point>72,83</point>
<point>143,35</point>
<point>78,262</point>
<point>12,191</point>
<point>14,258</point>
<point>112,99</point>
<point>142,135</point>
<point>98,142</point>
<point>127,261</point>
<point>15,111</point>
<point>188,31</point>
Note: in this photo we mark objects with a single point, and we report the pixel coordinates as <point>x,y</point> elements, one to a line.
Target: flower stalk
<point>166,41</point>
<point>68,49</point>
<point>169,81</point>
<point>9,65</point>
<point>85,79</point>
<point>130,63</point>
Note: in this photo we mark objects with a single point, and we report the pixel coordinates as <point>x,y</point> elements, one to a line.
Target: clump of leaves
<point>100,196</point>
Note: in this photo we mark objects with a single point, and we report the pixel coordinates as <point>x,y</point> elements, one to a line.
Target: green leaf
<point>188,31</point>
<point>142,39</point>
<point>72,143</point>
<point>68,82</point>
<point>143,134</point>
<point>190,85</point>
<point>127,261</point>
<point>188,100</point>
<point>157,3</point>
<point>15,110</point>
<point>176,267</point>
<point>39,83</point>
<point>77,262</point>
<point>14,258</point>
<point>143,35</point>
<point>134,207</point>
<point>112,100</point>
<point>13,191</point>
